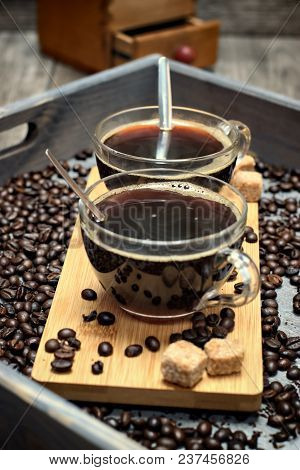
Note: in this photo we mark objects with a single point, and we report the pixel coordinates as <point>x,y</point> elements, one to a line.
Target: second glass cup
<point>200,141</point>
<point>168,242</point>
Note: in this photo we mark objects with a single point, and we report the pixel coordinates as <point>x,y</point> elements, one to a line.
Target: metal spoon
<point>91,206</point>
<point>165,108</point>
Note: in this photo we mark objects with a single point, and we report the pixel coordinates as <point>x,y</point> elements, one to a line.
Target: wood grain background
<point>238,17</point>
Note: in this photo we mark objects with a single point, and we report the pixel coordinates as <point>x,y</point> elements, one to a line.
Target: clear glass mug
<point>234,136</point>
<point>171,276</point>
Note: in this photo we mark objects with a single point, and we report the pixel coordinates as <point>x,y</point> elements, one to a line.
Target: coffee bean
<point>284,364</point>
<point>219,332</point>
<point>284,408</point>
<point>276,421</point>
<point>281,436</point>
<point>66,333</point>
<point>154,423</point>
<point>282,337</point>
<point>293,373</point>
<point>223,434</point>
<point>211,443</point>
<point>293,343</point>
<point>189,334</point>
<point>105,349</point>
<point>272,344</point>
<point>89,294</point>
<point>251,237</point>
<point>97,367</point>
<point>227,312</point>
<point>204,428</point>
<point>271,366</point>
<point>90,316</point>
<point>238,287</point>
<point>74,343</point>
<point>106,318</point>
<point>234,444</point>
<point>212,319</point>
<point>175,337</point>
<point>133,350</point>
<point>63,354</point>
<point>61,365</point>
<point>167,443</point>
<point>227,323</point>
<point>152,343</point>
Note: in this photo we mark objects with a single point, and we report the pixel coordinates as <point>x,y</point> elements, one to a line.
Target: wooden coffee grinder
<point>97,34</point>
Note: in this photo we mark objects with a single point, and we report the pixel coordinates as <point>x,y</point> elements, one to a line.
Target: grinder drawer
<point>201,36</point>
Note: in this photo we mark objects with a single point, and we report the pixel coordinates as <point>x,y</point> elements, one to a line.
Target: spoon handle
<point>92,207</point>
<point>164,95</point>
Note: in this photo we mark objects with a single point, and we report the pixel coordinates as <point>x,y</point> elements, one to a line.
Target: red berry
<point>185,54</point>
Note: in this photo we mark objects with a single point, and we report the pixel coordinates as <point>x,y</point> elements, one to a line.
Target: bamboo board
<point>138,380</point>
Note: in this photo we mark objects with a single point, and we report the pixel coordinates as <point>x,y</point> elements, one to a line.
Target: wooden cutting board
<point>138,380</point>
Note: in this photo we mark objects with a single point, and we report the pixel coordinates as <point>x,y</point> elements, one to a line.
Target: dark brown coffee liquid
<point>152,285</point>
<point>186,142</point>
<point>160,214</point>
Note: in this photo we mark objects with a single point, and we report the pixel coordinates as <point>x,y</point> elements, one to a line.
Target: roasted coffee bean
<point>74,343</point>
<point>88,294</point>
<point>106,318</point>
<point>90,316</point>
<point>251,237</point>
<point>97,367</point>
<point>293,373</point>
<point>227,323</point>
<point>211,443</point>
<point>154,423</point>
<point>223,435</point>
<point>133,350</point>
<point>269,303</point>
<point>61,365</point>
<point>240,436</point>
<point>293,343</point>
<point>64,354</point>
<point>284,364</point>
<point>66,333</point>
<point>282,337</point>
<point>167,443</point>
<point>272,344</point>
<point>227,312</point>
<point>212,319</point>
<point>204,428</point>
<point>152,343</point>
<point>280,436</point>
<point>175,337</point>
<point>234,444</point>
<point>284,408</point>
<point>271,366</point>
<point>189,335</point>
<point>276,421</point>
<point>238,287</point>
<point>105,349</point>
<point>219,332</point>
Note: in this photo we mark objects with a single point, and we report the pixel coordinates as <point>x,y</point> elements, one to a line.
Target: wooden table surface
<point>256,60</point>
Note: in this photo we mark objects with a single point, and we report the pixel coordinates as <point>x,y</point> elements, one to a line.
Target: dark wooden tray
<point>64,119</point>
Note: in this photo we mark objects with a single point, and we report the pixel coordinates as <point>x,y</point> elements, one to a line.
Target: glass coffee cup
<point>200,141</point>
<point>167,244</point>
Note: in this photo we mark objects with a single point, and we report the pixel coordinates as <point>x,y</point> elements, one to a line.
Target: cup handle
<point>250,278</point>
<point>245,135</point>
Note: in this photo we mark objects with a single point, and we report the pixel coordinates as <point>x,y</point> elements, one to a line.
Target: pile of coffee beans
<point>64,348</point>
<point>38,212</point>
<point>206,327</point>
